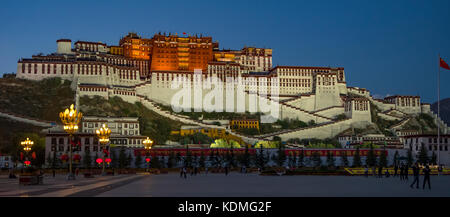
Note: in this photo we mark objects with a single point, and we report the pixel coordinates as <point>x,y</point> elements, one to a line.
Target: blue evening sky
<point>390,47</point>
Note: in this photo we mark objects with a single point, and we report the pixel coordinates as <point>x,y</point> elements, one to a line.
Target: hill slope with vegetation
<point>152,124</point>
<point>37,99</point>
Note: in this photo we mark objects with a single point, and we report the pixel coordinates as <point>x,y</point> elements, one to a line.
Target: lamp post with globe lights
<point>147,145</point>
<point>103,135</point>
<point>70,119</point>
<point>27,148</point>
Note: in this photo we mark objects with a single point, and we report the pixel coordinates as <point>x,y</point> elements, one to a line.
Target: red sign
<point>334,152</point>
<point>194,152</point>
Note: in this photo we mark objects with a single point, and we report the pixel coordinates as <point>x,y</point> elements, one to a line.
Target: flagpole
<point>437,120</point>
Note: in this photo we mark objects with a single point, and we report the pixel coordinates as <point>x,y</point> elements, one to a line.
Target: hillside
<point>37,99</point>
<point>152,124</point>
<point>445,109</point>
<point>12,133</point>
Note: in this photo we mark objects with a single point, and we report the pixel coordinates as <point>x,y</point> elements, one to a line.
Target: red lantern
<point>77,158</point>
<point>147,159</point>
<point>64,157</point>
<point>99,160</point>
<point>27,162</point>
<point>21,156</point>
<point>33,155</point>
<point>108,160</point>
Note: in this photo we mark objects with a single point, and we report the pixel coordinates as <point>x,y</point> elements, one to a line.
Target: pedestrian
<point>401,172</point>
<point>440,169</point>
<point>76,171</point>
<point>226,170</point>
<point>181,172</point>
<point>374,171</point>
<point>395,169</point>
<point>244,169</point>
<point>387,174</point>
<point>426,177</point>
<point>54,173</point>
<point>184,172</point>
<point>380,171</point>
<point>416,173</point>
<point>366,171</point>
<point>406,171</point>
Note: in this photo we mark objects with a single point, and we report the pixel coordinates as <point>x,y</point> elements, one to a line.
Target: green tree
<point>433,158</point>
<point>281,155</point>
<point>87,159</point>
<point>344,159</point>
<point>261,161</point>
<point>96,157</point>
<point>396,158</point>
<point>383,159</point>
<point>330,159</point>
<point>129,160</point>
<point>154,162</point>
<point>138,160</point>
<point>371,158</point>
<point>245,160</point>
<point>423,155</point>
<point>171,160</point>
<point>114,159</point>
<point>317,161</point>
<point>357,158</point>
<point>188,158</point>
<point>122,158</point>
<point>301,158</point>
<point>409,157</point>
<point>202,160</point>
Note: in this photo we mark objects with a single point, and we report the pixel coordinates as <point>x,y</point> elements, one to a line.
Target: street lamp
<point>27,145</point>
<point>70,119</point>
<point>148,145</point>
<point>103,137</point>
<point>27,148</point>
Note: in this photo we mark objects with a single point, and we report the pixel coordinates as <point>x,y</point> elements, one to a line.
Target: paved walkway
<point>217,185</point>
<point>252,185</point>
<point>59,186</point>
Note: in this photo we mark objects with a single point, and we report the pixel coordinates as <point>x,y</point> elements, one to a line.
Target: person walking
<point>380,172</point>
<point>426,177</point>
<point>54,173</point>
<point>226,170</point>
<point>181,172</point>
<point>406,172</point>
<point>366,171</point>
<point>440,169</point>
<point>395,170</point>
<point>402,170</point>
<point>387,174</point>
<point>184,172</point>
<point>416,173</point>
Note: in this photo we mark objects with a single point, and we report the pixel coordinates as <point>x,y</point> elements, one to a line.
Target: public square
<point>219,185</point>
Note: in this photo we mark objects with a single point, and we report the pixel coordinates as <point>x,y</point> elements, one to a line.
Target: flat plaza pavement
<point>233,185</point>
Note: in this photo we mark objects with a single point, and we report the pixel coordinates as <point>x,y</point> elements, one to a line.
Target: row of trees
<point>260,159</point>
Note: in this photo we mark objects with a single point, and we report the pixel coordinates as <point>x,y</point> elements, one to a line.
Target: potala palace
<point>146,69</point>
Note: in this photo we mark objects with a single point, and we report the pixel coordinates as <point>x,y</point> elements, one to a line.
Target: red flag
<point>443,64</point>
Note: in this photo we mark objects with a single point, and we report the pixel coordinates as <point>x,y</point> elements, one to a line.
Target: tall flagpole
<point>437,120</point>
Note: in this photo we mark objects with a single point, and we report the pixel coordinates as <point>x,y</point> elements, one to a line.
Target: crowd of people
<point>402,171</point>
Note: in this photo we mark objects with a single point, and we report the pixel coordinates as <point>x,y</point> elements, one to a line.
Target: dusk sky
<point>388,47</point>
